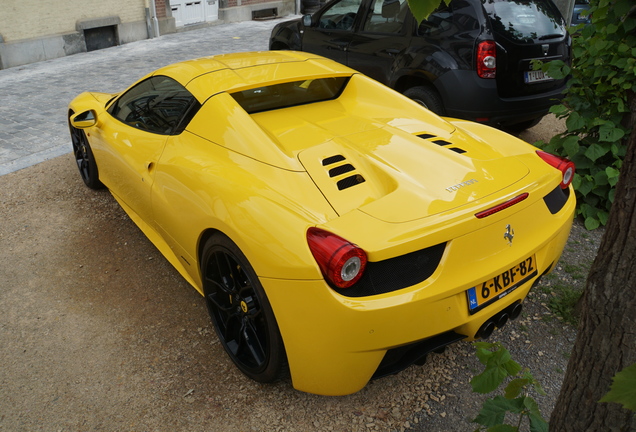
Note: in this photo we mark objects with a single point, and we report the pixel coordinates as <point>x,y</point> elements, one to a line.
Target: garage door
<point>188,12</point>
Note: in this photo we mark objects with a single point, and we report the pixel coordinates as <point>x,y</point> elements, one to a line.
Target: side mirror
<point>84,119</point>
<point>307,20</point>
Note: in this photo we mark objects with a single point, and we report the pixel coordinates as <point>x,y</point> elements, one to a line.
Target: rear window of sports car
<point>290,94</point>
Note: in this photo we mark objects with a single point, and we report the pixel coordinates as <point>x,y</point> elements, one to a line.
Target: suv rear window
<point>525,21</point>
<point>290,94</point>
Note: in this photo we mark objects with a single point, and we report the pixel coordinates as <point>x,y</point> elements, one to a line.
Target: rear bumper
<point>463,89</point>
<point>336,344</point>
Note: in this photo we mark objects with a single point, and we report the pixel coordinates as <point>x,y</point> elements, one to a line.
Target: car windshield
<point>290,94</point>
<point>525,21</point>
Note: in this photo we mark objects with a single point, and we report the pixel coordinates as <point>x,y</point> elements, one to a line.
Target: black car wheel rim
<point>235,308</point>
<point>80,149</point>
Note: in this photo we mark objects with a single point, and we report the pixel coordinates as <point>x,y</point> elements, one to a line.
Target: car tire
<point>427,97</point>
<point>279,46</point>
<point>240,311</point>
<point>84,157</point>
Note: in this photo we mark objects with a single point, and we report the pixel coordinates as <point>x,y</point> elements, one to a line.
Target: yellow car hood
<point>398,175</point>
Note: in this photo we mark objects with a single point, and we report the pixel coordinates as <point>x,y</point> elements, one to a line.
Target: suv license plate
<point>531,77</point>
<point>500,286</point>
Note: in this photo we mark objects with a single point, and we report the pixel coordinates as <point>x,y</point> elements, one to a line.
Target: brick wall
<point>160,5</point>
<point>252,2</point>
<point>22,19</point>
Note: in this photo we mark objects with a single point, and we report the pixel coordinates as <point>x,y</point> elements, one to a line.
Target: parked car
<point>580,13</point>
<point>470,60</point>
<point>334,226</point>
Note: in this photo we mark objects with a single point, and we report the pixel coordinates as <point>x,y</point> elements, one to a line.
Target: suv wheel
<point>427,97</point>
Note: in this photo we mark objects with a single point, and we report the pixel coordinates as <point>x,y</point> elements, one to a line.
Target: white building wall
<point>36,30</point>
<point>26,19</point>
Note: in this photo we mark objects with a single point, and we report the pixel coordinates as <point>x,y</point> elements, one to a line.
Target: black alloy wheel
<point>241,314</point>
<point>84,157</point>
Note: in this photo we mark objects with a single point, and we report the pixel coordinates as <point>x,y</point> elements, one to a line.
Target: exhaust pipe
<point>502,320</point>
<point>498,321</point>
<point>486,330</point>
<point>515,311</point>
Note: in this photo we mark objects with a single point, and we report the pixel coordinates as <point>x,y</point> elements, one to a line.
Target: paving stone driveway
<point>33,98</point>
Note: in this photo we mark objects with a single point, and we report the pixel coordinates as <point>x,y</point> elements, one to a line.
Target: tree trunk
<point>606,339</point>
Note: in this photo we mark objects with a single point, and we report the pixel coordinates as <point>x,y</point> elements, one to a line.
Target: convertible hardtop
<point>207,76</point>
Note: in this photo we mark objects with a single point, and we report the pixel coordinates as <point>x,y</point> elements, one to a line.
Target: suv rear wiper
<point>551,36</point>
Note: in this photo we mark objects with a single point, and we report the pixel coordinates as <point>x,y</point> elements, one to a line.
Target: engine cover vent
<point>336,170</point>
<point>441,142</point>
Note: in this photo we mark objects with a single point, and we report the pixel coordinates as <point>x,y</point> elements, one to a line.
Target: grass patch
<point>564,301</point>
<point>576,272</point>
<point>563,297</point>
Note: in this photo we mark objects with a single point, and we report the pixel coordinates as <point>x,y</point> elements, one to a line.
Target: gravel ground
<point>99,332</point>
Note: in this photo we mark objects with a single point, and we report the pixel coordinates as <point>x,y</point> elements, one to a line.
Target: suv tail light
<point>487,59</point>
<point>342,263</point>
<point>564,165</point>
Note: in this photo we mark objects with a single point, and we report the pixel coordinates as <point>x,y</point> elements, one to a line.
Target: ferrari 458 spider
<point>338,231</point>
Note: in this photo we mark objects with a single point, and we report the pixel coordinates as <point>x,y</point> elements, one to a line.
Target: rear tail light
<point>342,263</point>
<point>564,165</point>
<point>504,205</point>
<point>487,59</point>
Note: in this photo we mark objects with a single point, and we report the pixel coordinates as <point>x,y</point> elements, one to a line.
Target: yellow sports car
<point>338,231</point>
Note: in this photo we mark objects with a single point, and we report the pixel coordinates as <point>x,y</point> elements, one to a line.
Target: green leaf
<point>531,405</point>
<point>514,387</point>
<point>571,145</point>
<point>574,122</point>
<point>489,379</point>
<point>421,9</point>
<point>512,367</point>
<point>494,410</point>
<point>484,352</point>
<point>591,223</point>
<point>491,414</point>
<point>600,178</point>
<point>595,151</point>
<point>623,389</point>
<point>622,7</point>
<point>609,133</point>
<point>612,175</point>
<point>585,187</point>
<point>559,110</point>
<point>537,423</point>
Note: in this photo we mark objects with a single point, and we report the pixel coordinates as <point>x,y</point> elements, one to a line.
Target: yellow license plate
<point>501,285</point>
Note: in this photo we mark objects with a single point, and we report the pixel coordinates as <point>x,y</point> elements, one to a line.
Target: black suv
<point>471,59</point>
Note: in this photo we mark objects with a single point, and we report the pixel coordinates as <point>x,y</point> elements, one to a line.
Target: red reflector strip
<point>502,206</point>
